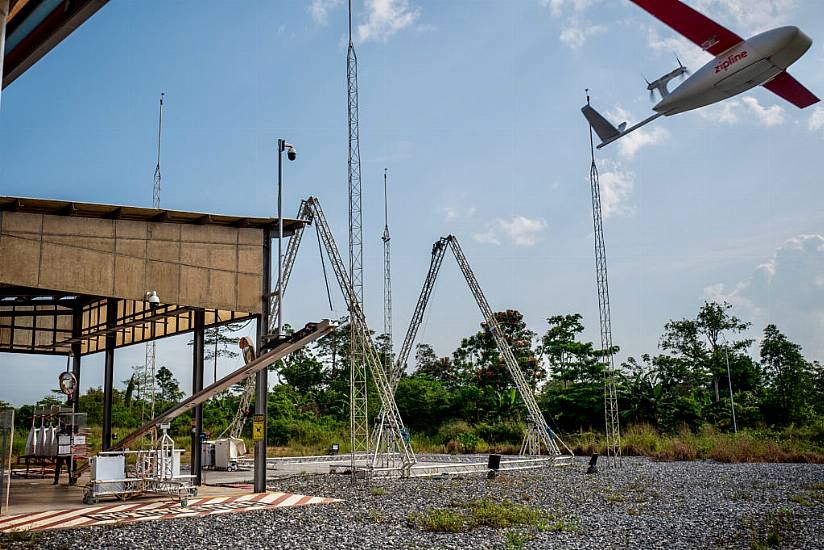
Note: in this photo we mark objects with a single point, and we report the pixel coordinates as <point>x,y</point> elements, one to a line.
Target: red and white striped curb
<point>128,513</point>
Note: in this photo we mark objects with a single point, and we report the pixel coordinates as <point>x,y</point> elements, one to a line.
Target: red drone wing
<point>695,26</point>
<point>792,90</point>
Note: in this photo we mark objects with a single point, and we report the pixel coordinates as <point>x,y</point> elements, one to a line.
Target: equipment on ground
<point>738,66</point>
<point>297,340</point>
<point>127,474</point>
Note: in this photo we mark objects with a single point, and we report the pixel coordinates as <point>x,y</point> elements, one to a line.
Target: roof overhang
<point>35,27</point>
<point>135,213</point>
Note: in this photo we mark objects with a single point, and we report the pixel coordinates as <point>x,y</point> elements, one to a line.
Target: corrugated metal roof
<point>115,212</point>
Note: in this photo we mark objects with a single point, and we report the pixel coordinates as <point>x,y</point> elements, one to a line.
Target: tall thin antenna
<point>156,191</point>
<point>387,281</point>
<point>611,420</point>
<point>151,349</point>
<point>358,413</point>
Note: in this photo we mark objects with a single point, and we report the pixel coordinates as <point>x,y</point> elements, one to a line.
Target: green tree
<point>698,342</point>
<point>789,376</point>
<point>479,357</point>
<point>168,386</point>
<point>571,360</point>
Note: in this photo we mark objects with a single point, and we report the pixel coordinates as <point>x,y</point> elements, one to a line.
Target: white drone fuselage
<point>747,64</point>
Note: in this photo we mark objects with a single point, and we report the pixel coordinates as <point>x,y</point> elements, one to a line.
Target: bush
<point>501,432</point>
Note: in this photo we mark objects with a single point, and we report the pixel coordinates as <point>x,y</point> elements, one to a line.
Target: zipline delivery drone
<point>738,66</point>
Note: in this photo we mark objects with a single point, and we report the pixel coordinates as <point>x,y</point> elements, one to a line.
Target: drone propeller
<point>684,71</point>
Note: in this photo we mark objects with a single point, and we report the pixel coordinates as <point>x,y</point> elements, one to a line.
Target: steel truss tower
<point>151,350</point>
<point>358,412</point>
<point>396,453</point>
<point>611,420</point>
<point>387,280</point>
<point>382,438</point>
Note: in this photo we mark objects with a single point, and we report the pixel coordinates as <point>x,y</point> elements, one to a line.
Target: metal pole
<point>280,237</point>
<point>262,376</point>
<point>108,373</point>
<point>729,381</point>
<point>197,385</point>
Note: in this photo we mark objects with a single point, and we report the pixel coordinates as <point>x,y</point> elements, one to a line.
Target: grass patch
<point>612,497</point>
<point>789,445</point>
<point>516,539</point>
<point>27,538</point>
<point>464,516</point>
<point>440,520</point>
<point>775,528</point>
<point>485,513</point>
<point>377,491</point>
<point>811,497</point>
<point>376,516</point>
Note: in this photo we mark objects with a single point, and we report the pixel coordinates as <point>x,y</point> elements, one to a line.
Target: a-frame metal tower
<point>358,410</point>
<point>611,420</point>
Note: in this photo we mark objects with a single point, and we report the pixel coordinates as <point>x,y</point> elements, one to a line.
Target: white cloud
<point>520,230</point>
<point>631,143</point>
<point>672,45</point>
<point>575,33</point>
<point>787,289</point>
<point>385,18</point>
<point>617,184</point>
<point>744,109</point>
<point>816,121</point>
<point>558,7</point>
<point>766,116</point>
<point>455,213</point>
<point>745,17</point>
<point>487,237</point>
<point>319,10</point>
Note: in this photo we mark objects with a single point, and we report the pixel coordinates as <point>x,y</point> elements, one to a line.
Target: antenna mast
<point>358,415</point>
<point>387,280</point>
<point>611,421</point>
<point>151,349</point>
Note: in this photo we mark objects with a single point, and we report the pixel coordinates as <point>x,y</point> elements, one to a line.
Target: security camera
<point>153,299</point>
<point>291,154</point>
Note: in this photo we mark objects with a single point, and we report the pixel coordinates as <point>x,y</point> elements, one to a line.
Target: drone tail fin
<point>605,130</point>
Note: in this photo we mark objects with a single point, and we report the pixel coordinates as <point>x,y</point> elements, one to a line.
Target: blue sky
<point>473,106</point>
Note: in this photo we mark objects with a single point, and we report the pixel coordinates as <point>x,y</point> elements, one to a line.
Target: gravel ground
<point>643,505</point>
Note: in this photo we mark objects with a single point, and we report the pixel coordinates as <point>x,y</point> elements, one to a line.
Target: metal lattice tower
<point>611,420</point>
<point>358,413</point>
<point>396,454</point>
<point>381,437</point>
<point>387,280</point>
<point>151,350</point>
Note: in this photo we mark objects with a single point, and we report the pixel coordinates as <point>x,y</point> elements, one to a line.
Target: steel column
<point>108,374</point>
<point>197,385</point>
<point>262,377</point>
<point>77,324</point>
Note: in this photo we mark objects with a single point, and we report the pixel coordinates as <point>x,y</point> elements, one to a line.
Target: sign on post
<point>257,428</point>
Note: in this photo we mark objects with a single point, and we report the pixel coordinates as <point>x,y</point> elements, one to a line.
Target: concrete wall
<point>205,266</point>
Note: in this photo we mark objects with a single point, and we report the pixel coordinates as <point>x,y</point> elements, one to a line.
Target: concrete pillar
<point>262,376</point>
<point>108,373</point>
<point>197,384</point>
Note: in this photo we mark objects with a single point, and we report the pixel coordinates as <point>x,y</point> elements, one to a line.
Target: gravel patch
<point>644,504</point>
